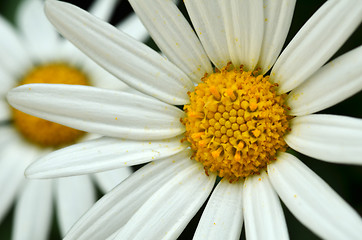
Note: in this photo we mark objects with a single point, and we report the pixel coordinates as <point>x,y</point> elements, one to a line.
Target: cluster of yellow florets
<point>40,131</point>
<point>235,123</point>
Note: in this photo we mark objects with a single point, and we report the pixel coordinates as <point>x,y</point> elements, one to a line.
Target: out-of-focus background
<point>346,180</point>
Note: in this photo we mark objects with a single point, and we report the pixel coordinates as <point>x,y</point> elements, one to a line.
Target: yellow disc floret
<point>235,123</point>
<point>40,131</point>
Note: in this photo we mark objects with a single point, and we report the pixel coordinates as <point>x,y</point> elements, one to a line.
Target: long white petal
<point>327,137</point>
<point>74,196</point>
<point>99,77</point>
<point>223,215</point>
<point>101,155</point>
<point>109,179</point>
<point>168,211</point>
<point>262,209</point>
<point>14,58</point>
<point>312,201</point>
<point>39,34</point>
<point>15,155</point>
<point>33,211</point>
<point>101,111</point>
<point>334,82</point>
<point>208,22</point>
<point>103,8</point>
<point>131,61</point>
<point>114,209</point>
<point>316,42</point>
<point>244,27</point>
<point>277,19</point>
<point>174,36</point>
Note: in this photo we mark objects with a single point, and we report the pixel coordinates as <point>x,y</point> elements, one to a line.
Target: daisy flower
<point>35,53</point>
<point>238,119</point>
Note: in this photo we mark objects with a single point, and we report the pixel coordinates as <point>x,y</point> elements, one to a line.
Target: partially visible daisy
<point>31,54</point>
<point>237,122</point>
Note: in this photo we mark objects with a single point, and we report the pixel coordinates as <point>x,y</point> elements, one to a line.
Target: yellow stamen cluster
<point>40,131</point>
<point>235,123</point>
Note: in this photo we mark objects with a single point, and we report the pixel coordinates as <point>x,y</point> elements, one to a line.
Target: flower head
<point>237,122</point>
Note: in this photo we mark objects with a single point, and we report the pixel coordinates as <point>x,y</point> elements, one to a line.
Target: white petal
<point>262,209</point>
<point>135,63</point>
<point>15,155</point>
<point>14,59</point>
<point>74,196</point>
<point>101,155</point>
<point>33,211</point>
<point>327,137</point>
<point>114,209</point>
<point>109,179</point>
<point>208,22</point>
<point>132,26</point>
<point>103,8</point>
<point>223,215</point>
<point>168,211</point>
<point>333,83</point>
<point>277,19</point>
<point>316,42</point>
<point>174,36</point>
<point>5,113</point>
<point>312,201</point>
<point>244,27</point>
<point>39,34</point>
<point>105,112</point>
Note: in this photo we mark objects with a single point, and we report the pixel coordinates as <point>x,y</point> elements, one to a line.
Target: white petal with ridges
<point>312,201</point>
<point>14,58</point>
<point>327,137</point>
<point>114,209</point>
<point>333,83</point>
<point>316,42</point>
<point>262,209</point>
<point>131,61</point>
<point>174,36</point>
<point>40,36</point>
<point>168,211</point>
<point>33,211</point>
<point>109,179</point>
<point>223,215</point>
<point>277,19</point>
<point>101,155</point>
<point>101,111</point>
<point>244,27</point>
<point>208,22</point>
<point>74,196</point>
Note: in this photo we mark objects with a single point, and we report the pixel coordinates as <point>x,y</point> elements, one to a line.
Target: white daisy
<point>32,53</point>
<point>235,123</point>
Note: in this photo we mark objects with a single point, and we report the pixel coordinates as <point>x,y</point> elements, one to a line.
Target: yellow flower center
<point>235,123</point>
<point>40,131</point>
